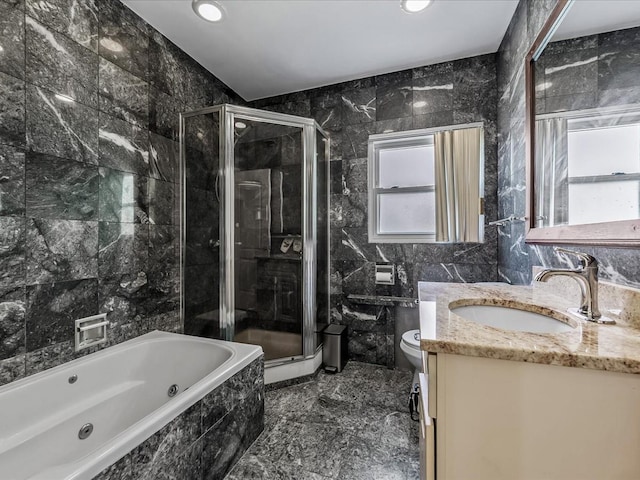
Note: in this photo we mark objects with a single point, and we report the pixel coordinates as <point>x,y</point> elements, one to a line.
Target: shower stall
<point>255,232</point>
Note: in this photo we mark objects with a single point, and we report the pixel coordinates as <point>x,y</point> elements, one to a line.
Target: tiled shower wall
<point>515,257</point>
<point>88,187</point>
<point>450,93</point>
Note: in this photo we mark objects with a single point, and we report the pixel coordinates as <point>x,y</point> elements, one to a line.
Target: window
<point>402,193</point>
<point>405,203</point>
<point>603,171</point>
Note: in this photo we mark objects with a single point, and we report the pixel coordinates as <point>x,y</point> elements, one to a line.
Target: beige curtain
<point>458,157</point>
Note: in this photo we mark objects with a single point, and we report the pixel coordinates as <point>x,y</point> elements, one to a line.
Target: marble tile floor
<point>353,425</point>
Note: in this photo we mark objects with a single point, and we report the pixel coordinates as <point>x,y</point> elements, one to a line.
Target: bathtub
<point>125,392</point>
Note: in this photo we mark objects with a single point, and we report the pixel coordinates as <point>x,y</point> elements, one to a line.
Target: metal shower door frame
<point>228,115</point>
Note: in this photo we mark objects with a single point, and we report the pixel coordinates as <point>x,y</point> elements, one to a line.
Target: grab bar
<point>91,327</point>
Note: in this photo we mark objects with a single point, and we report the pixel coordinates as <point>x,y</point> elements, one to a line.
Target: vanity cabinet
<point>427,434</point>
<point>502,419</point>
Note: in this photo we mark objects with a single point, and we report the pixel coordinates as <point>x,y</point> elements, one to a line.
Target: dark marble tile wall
<point>375,336</point>
<point>515,256</point>
<point>89,103</point>
<point>371,331</point>
<point>450,93</point>
<point>206,440</point>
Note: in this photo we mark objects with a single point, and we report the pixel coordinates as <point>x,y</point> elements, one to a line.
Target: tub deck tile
<point>223,399</point>
<point>187,466</point>
<point>189,449</point>
<point>228,439</point>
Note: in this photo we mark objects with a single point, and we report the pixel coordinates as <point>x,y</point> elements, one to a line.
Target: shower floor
<point>353,425</point>
<point>275,344</point>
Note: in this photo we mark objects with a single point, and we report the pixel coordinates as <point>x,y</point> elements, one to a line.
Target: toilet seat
<point>411,339</point>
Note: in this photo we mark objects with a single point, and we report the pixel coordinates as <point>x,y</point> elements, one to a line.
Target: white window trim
<point>375,146</point>
<point>408,139</point>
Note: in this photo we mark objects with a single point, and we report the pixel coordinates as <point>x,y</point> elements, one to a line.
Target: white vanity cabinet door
<point>427,434</point>
<point>504,420</point>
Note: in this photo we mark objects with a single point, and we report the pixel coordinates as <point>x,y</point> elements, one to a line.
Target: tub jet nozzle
<point>85,431</point>
<point>173,390</point>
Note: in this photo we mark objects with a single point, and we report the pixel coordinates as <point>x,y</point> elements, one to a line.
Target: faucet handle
<point>586,259</point>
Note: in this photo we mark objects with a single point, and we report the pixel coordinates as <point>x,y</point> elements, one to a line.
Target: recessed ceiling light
<point>241,125</point>
<point>208,10</point>
<point>414,6</point>
<point>64,98</point>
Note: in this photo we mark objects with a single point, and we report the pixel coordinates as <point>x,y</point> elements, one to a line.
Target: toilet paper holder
<point>385,274</point>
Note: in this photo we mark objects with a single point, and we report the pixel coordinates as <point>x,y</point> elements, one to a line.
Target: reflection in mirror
<point>587,123</point>
<point>427,185</point>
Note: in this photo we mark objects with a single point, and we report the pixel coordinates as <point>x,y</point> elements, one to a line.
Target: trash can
<point>335,349</point>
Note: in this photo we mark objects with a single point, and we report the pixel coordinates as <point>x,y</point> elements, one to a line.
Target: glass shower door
<point>268,236</point>
<point>201,227</point>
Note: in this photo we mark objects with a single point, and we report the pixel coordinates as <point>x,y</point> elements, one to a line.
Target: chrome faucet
<point>587,278</point>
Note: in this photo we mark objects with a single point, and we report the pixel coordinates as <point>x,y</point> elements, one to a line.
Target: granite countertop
<point>589,345</point>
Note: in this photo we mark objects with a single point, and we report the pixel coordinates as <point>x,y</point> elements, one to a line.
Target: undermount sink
<point>511,319</point>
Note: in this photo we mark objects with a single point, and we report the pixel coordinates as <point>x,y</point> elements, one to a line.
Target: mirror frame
<point>625,233</point>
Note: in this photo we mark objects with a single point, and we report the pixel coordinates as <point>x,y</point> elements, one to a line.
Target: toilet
<point>410,346</point>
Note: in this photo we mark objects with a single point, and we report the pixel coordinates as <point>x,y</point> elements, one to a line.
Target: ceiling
<point>269,47</point>
<point>587,18</point>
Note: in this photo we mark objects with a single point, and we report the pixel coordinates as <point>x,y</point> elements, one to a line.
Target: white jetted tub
<point>123,392</point>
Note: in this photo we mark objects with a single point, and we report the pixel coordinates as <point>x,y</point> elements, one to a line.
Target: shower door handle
<point>217,182</point>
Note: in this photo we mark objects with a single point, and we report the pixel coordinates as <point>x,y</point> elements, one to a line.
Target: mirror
<point>583,113</point>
